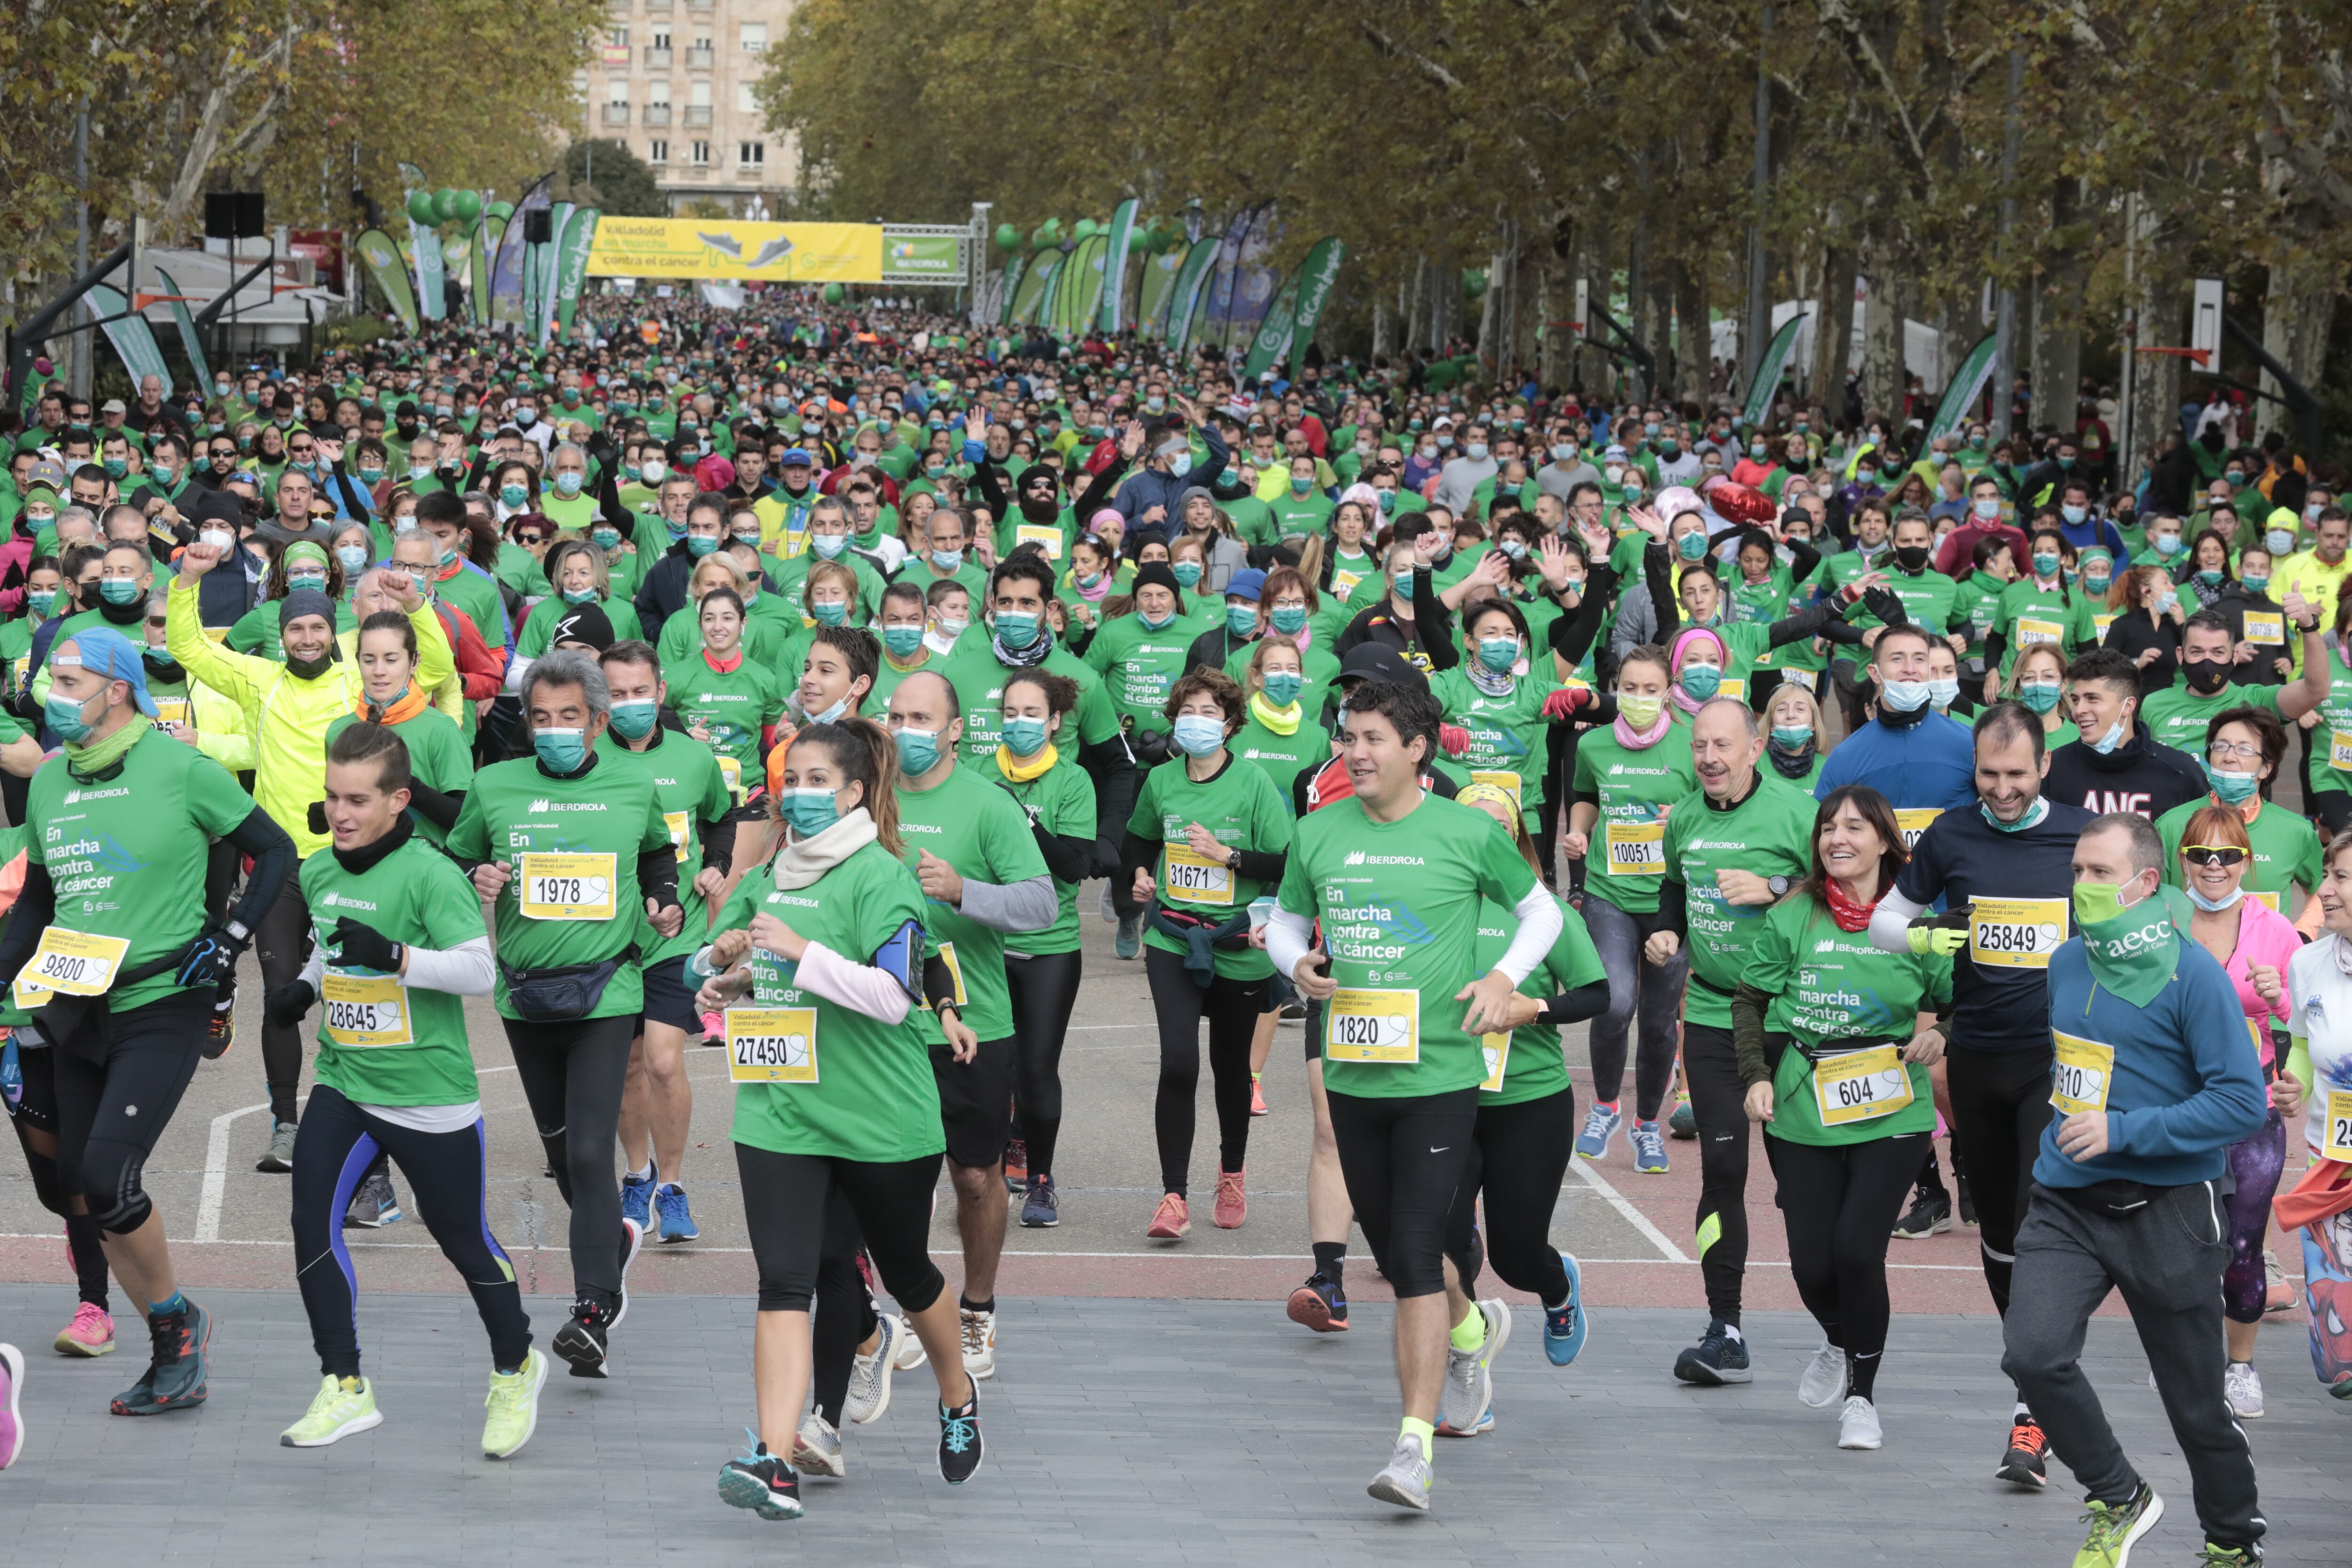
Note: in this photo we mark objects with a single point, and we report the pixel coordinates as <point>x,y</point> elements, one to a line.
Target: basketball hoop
<point>2198,355</point>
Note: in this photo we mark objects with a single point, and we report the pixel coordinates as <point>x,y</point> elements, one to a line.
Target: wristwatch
<point>1234,859</point>
<point>1777,886</point>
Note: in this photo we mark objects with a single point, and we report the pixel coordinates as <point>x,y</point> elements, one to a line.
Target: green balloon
<point>1043,239</point>
<point>467,204</point>
<point>420,207</point>
<point>834,293</point>
<point>1007,237</point>
<point>1084,229</point>
<point>444,205</point>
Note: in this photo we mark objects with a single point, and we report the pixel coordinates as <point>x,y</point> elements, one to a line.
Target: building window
<point>698,94</point>
<point>701,155</point>
<point>617,35</point>
<point>702,41</point>
<point>661,39</point>
<point>657,152</point>
<point>617,92</point>
<point>754,36</point>
<point>751,154</point>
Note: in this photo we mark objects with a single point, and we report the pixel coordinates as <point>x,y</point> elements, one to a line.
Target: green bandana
<point>2133,952</point>
<point>88,761</point>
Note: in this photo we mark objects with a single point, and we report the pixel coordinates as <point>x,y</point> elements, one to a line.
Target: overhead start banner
<point>721,249</point>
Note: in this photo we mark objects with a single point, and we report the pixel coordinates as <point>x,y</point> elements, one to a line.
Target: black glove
<point>364,947</point>
<point>318,818</point>
<point>285,1005</point>
<point>210,959</point>
<point>1881,602</point>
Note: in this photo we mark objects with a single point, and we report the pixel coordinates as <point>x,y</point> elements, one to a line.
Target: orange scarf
<point>404,708</point>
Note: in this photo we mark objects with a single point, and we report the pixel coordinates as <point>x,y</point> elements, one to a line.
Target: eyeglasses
<point>2250,750</point>
<point>2212,854</point>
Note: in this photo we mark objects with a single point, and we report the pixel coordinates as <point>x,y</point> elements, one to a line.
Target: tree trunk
<point>2056,368</point>
<point>1882,338</point>
<point>2298,312</point>
<point>1555,351</point>
<point>1832,331</point>
<point>1658,332</point>
<point>2156,387</point>
<point>1380,329</point>
<point>1694,353</point>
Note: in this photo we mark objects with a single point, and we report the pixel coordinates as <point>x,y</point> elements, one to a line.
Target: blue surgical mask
<point>568,484</point>
<point>902,641</point>
<point>1692,546</point>
<point>1701,682</point>
<point>2095,586</point>
<point>1151,623</point>
<point>1187,573</point>
<point>1025,737</point>
<point>2041,695</point>
<point>634,720</point>
<point>2167,543</point>
<point>1986,508</point>
<point>830,614</point>
<point>1475,451</point>
<point>124,590</point>
<point>947,559</point>
<point>2231,788</point>
<point>579,595</point>
<point>1016,628</point>
<point>2256,582</point>
<point>1514,547</point>
<point>513,495</point>
<point>829,546</point>
<point>1241,620</point>
<point>1197,734</point>
<point>1791,736</point>
<point>561,751</point>
<point>448,556</point>
<point>2045,563</point>
<point>1499,654</point>
<point>64,717</point>
<point>41,599</point>
<point>1904,696</point>
<point>808,812</point>
<point>2108,742</point>
<point>1288,619</point>
<point>701,544</point>
<point>1283,686</point>
<point>352,556</point>
<point>295,583</point>
<point>918,751</point>
<point>604,537</point>
<point>1943,690</point>
<point>2280,540</point>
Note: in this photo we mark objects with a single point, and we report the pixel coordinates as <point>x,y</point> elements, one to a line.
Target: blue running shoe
<point>1565,1325</point>
<point>637,1197</point>
<point>1717,1359</point>
<point>1600,1123</point>
<point>1649,1148</point>
<point>1042,1209</point>
<point>676,1224</point>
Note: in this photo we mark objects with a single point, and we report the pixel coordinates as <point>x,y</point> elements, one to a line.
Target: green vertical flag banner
<point>478,250</point>
<point>425,244</point>
<point>1159,287</point>
<point>572,265</point>
<point>1318,275</point>
<point>191,340</point>
<point>1766,379</point>
<point>542,292</point>
<point>1114,270</point>
<point>130,336</point>
<point>1030,304</point>
<point>1965,389</point>
<point>382,257</point>
<point>1271,342</point>
<point>1014,270</point>
<point>1082,294</point>
<point>1185,300</point>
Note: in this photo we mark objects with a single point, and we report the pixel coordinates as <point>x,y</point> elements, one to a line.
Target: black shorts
<point>36,1105</point>
<point>976,1101</point>
<point>669,995</point>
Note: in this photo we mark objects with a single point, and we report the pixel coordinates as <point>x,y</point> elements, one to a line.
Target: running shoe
<point>2024,1464</point>
<point>1600,1121</point>
<point>1293,1014</point>
<point>869,1375</point>
<point>1930,1214</point>
<point>1405,1480</point>
<point>1170,1220</point>
<point>92,1333</point>
<point>1232,1207</point>
<point>911,1354</point>
<point>1683,1122</point>
<point>632,1241</point>
<point>637,1195</point>
<point>278,1158</point>
<point>2243,1384</point>
<point>1464,1405</point>
<point>979,1337</point>
<point>2215,1556</point>
<point>1858,1425</point>
<point>1649,1149</point>
<point>677,1221</point>
<point>1566,1325</point>
<point>335,1414</point>
<point>816,1449</point>
<point>761,1482</point>
<point>175,1379</point>
<point>582,1341</point>
<point>1321,1305</point>
<point>1715,1360</point>
<point>2278,1294</point>
<point>961,1445</point>
<point>1041,1208</point>
<point>1966,1199</point>
<point>1823,1378</point>
<point>375,1204</point>
<point>139,1399</point>
<point>1129,939</point>
<point>2114,1529</point>
<point>513,1407</point>
<point>220,1029</point>
<point>12,1422</point>
<point>1016,1165</point>
<point>1257,1097</point>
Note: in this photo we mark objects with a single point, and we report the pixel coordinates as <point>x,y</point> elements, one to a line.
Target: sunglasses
<point>2212,855</point>
<point>530,539</point>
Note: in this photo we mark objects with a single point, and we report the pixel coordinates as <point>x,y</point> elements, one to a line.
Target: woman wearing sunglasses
<point>2253,942</point>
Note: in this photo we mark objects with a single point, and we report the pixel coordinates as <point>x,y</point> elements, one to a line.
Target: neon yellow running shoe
<point>2116,1528</point>
<point>335,1414</point>
<point>514,1406</point>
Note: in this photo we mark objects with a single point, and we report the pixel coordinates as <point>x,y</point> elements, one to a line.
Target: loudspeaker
<point>234,214</point>
<point>538,227</point>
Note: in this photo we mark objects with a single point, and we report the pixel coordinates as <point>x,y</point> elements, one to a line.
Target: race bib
<point>1506,781</point>
<point>1343,584</point>
<point>1914,822</point>
<point>955,971</point>
<point>1193,879</point>
<point>1860,1086</point>
<point>771,1044</point>
<point>1372,1026</point>
<point>1047,539</point>
<point>2266,629</point>
<point>1635,848</point>
<point>681,830</point>
<point>2335,1131</point>
<point>1734,690</point>
<point>730,769</point>
<point>2016,934</point>
<point>2029,632</point>
<point>1496,1047</point>
<point>172,710</point>
<point>2271,899</point>
<point>72,961</point>
<point>1808,679</point>
<point>2339,749</point>
<point>2099,625</point>
<point>366,1009</point>
<point>2079,1078</point>
<point>568,887</point>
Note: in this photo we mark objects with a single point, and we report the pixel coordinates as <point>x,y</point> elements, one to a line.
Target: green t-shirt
<point>126,853</point>
<point>1295,516</point>
<point>1930,599</point>
<point>2327,770</point>
<point>734,705</point>
<point>476,592</point>
<point>978,676</point>
<point>2029,614</point>
<point>771,641</point>
<point>516,810</point>
<point>2178,717</point>
<point>438,755</point>
<point>1527,1064</point>
<point>2287,851</point>
<point>1061,800</point>
<point>1508,733</point>
<point>1831,984</point>
<point>865,1089</point>
<point>1768,834</point>
<point>538,626</point>
<point>1239,804</point>
<point>1138,667</point>
<point>417,897</point>
<point>1399,902</point>
<point>693,795</point>
<point>1635,788</point>
<point>986,836</point>
<point>1279,756</point>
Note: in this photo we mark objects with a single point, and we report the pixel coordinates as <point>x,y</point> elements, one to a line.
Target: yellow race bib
<point>2336,1132</point>
<point>1635,848</point>
<point>1191,879</point>
<point>366,1009</point>
<point>771,1044</point>
<point>955,971</point>
<point>1914,822</point>
<point>2016,934</point>
<point>1045,537</point>
<point>2339,749</point>
<point>681,830</point>
<point>72,961</point>
<point>1364,1025</point>
<point>568,887</point>
<point>2029,632</point>
<point>1496,1047</point>
<point>174,710</point>
<point>2080,1078</point>
<point>2266,629</point>
<point>730,769</point>
<point>1506,781</point>
<point>1860,1086</point>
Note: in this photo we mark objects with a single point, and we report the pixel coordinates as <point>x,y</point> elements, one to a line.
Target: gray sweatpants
<point>2166,1258</point>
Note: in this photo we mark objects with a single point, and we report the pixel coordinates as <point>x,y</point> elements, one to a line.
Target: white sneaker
<point>911,1354</point>
<point>1858,1424</point>
<point>816,1449</point>
<point>1405,1480</point>
<point>979,1342</point>
<point>1824,1377</point>
<point>869,1375</point>
<point>2245,1386</point>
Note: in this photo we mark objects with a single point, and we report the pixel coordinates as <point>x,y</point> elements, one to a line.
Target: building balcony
<point>751,173</point>
<point>660,8</point>
<point>698,114</point>
<point>658,59</point>
<point>616,115</point>
<point>697,59</point>
<point>657,114</point>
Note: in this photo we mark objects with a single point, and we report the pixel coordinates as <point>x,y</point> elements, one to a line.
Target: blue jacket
<point>1146,487</point>
<point>1930,764</point>
<point>2185,1085</point>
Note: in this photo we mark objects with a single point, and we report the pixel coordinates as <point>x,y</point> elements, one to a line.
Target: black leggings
<point>1044,987</point>
<point>1402,1160</point>
<point>786,1208</point>
<point>572,1074</point>
<point>1233,1008</point>
<point>1520,1155</point>
<point>2000,1102</point>
<point>339,1142</point>
<point>1719,1105</point>
<point>35,1117</point>
<point>110,1113</point>
<point>282,943</point>
<point>1840,1202</point>
<point>844,1309</point>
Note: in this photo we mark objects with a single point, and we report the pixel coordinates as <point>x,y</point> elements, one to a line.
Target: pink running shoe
<point>12,1425</point>
<point>1232,1204</point>
<point>92,1333</point>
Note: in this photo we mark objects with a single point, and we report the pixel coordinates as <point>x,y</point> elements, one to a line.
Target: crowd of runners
<point>1960,822</point>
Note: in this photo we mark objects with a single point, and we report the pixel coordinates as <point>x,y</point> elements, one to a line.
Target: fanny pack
<point>559,994</point>
<point>85,1024</point>
<point>2115,1197</point>
<point>1844,1046</point>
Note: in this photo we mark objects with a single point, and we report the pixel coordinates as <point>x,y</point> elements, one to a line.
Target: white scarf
<point>802,861</point>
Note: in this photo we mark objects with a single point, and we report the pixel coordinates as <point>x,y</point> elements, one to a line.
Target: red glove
<point>1565,701</point>
<point>1453,737</point>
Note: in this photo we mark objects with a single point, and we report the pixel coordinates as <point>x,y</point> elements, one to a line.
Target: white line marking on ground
<point>1633,1217</point>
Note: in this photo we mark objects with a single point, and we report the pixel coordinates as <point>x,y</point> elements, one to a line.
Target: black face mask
<point>1911,557</point>
<point>309,669</point>
<point>2205,675</point>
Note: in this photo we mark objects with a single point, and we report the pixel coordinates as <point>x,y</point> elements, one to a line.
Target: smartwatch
<point>1777,886</point>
